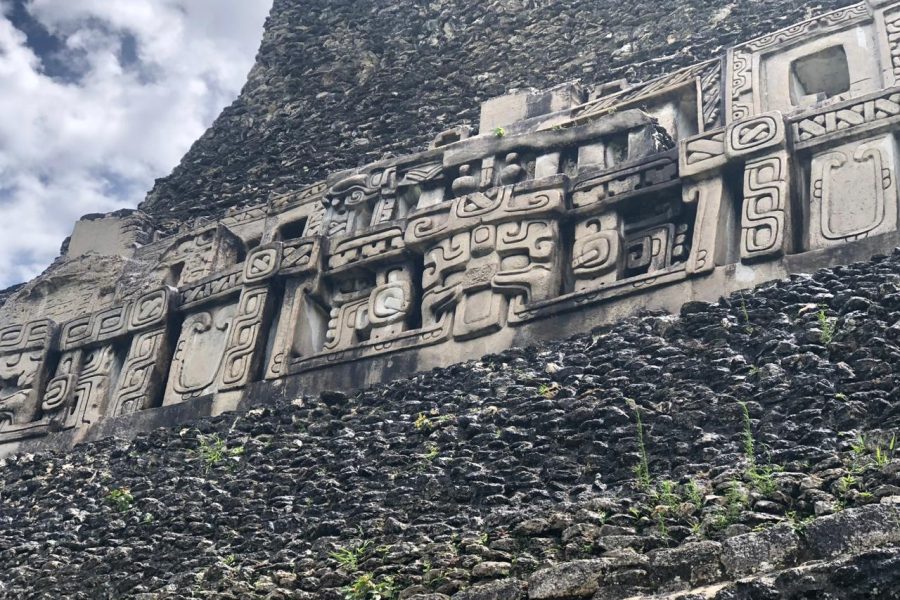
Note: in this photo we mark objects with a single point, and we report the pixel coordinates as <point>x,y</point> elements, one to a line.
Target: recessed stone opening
<point>819,76</point>
<point>292,230</point>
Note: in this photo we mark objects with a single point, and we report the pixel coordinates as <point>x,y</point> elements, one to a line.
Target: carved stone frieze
<point>765,217</point>
<point>24,352</point>
<point>867,115</point>
<point>864,171</point>
<point>199,352</point>
<point>787,140</point>
<point>150,310</point>
<point>143,373</point>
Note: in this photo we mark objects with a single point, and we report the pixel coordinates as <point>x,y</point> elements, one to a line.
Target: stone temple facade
<point>571,207</point>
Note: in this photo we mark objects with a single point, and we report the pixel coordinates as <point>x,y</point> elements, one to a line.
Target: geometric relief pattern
<point>764,217</point>
<point>242,354</point>
<point>142,373</point>
<point>488,255</point>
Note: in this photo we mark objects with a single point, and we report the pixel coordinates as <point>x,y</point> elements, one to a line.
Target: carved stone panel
<point>94,387</point>
<point>765,217</point>
<point>853,192</point>
<point>597,254</point>
<point>806,64</point>
<point>244,351</point>
<point>24,350</point>
<point>198,353</point>
<point>143,374</point>
<point>713,226</point>
<point>20,376</point>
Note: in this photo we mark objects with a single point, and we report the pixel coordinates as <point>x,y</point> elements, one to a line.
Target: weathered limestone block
<point>525,104</point>
<point>827,58</point>
<point>68,289</point>
<point>854,530</point>
<point>766,214</point>
<point>116,234</point>
<point>853,192</point>
<point>774,548</point>
<point>24,351</point>
<point>690,564</point>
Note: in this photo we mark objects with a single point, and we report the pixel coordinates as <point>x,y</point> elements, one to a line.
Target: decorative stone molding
<point>733,165</point>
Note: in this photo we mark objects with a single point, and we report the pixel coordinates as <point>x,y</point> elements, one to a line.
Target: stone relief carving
<point>643,185</point>
<point>766,213</point>
<point>198,353</point>
<point>865,172</point>
<point>24,351</point>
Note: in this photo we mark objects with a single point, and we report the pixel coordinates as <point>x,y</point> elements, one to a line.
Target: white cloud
<point>95,142</point>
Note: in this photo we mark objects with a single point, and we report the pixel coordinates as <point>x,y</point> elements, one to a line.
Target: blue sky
<point>99,98</point>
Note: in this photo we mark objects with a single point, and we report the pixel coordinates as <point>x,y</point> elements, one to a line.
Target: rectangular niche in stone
<point>853,192</point>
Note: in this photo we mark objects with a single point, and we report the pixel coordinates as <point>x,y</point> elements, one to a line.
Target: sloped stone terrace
<point>767,422</point>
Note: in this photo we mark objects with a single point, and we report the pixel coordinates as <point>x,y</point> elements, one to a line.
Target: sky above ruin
<point>100,97</point>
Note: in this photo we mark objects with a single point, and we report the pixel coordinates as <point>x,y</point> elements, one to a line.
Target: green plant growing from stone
<point>432,453</point>
<point>213,450</point>
<point>499,132</point>
<point>548,391</point>
<point>877,454</point>
<point>747,433</point>
<point>349,557</point>
<point>846,483</point>
<point>667,494</point>
<point>120,499</point>
<point>735,502</point>
<point>367,587</point>
<point>883,456</point>
<point>826,326</point>
<point>798,523</point>
<point>761,478</point>
<point>661,526</point>
<point>694,493</point>
<point>858,446</point>
<point>748,328</point>
<point>642,469</point>
<point>230,560</point>
<point>422,422</point>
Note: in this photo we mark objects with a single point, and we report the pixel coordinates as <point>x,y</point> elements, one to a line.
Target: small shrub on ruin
<point>642,469</point>
<point>826,326</point>
<point>349,557</point>
<point>367,587</point>
<point>213,450</point>
<point>120,499</point>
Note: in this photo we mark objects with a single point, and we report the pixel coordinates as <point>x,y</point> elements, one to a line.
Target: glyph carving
<point>892,26</point>
<point>597,255</point>
<point>242,354</point>
<point>868,114</point>
<point>143,373</point>
<point>853,192</point>
<point>18,394</point>
<point>765,214</point>
<point>198,353</point>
